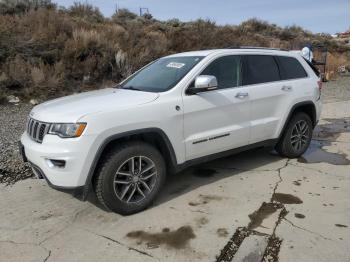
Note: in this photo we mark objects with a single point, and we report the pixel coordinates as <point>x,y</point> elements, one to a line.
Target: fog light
<point>56,163</point>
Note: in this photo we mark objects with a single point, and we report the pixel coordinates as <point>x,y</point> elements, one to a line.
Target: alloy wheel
<point>135,179</point>
<point>300,135</point>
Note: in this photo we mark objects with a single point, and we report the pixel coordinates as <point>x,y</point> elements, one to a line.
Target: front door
<point>218,120</point>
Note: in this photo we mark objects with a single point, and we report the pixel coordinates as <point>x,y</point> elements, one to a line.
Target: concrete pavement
<point>251,206</point>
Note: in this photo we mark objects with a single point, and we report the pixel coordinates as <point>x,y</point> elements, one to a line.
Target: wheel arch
<point>308,107</point>
<point>153,136</point>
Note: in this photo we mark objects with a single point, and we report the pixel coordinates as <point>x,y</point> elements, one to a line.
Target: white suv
<point>177,111</point>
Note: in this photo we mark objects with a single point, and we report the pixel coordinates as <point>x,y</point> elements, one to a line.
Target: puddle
<point>340,225</point>
<point>177,239</point>
<point>265,210</point>
<point>297,183</point>
<point>316,154</point>
<point>301,216</point>
<point>332,129</point>
<point>222,232</point>
<point>202,221</point>
<point>45,217</point>
<point>324,135</point>
<point>204,172</point>
<point>286,198</point>
<point>205,199</point>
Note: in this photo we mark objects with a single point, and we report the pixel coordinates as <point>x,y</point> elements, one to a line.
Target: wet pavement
<point>254,206</point>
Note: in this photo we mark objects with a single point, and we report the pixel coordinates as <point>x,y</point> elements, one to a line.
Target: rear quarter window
<point>290,68</point>
<point>313,67</point>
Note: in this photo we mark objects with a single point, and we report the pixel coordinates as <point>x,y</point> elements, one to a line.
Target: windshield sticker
<point>175,65</point>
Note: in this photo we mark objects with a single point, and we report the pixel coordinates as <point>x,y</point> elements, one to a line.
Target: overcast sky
<point>328,16</point>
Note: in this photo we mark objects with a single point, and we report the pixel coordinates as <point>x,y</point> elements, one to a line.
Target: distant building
<point>343,37</point>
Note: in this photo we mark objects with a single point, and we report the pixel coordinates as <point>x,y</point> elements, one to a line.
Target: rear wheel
<point>296,137</point>
<point>130,177</point>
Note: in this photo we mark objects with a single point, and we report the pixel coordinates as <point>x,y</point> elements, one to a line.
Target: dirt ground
<point>254,206</point>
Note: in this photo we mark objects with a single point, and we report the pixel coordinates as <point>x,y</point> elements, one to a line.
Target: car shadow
<point>213,171</point>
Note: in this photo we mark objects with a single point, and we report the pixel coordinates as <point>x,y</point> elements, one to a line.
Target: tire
<point>119,189</point>
<point>293,143</point>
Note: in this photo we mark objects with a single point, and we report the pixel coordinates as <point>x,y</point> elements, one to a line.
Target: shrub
<point>12,7</point>
<point>48,52</point>
<point>86,11</point>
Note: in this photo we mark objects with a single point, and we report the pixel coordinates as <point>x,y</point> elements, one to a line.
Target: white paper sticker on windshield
<point>175,65</point>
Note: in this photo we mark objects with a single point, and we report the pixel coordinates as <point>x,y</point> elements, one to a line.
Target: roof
<point>238,50</point>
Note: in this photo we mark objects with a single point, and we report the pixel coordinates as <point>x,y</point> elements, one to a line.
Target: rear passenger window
<point>227,70</point>
<point>290,68</point>
<point>260,69</point>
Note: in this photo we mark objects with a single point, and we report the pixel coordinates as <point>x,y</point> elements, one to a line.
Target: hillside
<point>46,51</point>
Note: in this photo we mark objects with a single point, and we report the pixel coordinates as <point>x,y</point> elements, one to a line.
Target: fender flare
<point>292,110</point>
<point>106,141</point>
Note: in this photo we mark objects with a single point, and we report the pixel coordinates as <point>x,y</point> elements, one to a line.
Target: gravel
<point>12,124</point>
<point>13,119</point>
<point>336,90</point>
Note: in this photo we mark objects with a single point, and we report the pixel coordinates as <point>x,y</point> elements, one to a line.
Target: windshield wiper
<point>131,88</point>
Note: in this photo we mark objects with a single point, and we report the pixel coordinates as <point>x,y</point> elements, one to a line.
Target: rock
<point>13,99</point>
<point>34,102</point>
<point>86,78</point>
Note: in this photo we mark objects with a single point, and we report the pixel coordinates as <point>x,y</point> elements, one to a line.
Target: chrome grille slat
<point>31,126</point>
<point>46,130</point>
<point>37,130</point>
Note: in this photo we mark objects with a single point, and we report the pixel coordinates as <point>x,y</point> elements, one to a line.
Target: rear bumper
<point>318,105</point>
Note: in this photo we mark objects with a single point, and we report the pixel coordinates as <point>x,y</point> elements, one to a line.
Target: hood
<point>72,108</point>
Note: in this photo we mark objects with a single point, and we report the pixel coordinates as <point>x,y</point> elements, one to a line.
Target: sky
<point>328,16</point>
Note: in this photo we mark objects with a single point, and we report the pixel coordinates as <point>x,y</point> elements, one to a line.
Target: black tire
<point>108,186</point>
<point>286,146</point>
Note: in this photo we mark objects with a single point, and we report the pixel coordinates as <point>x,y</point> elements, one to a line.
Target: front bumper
<point>72,151</point>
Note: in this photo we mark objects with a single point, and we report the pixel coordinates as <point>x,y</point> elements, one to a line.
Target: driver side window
<point>227,70</point>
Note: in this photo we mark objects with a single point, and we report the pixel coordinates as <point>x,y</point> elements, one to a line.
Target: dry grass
<point>48,52</point>
<point>334,61</point>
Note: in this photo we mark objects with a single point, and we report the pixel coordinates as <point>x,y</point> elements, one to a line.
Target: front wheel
<point>130,177</point>
<point>297,136</point>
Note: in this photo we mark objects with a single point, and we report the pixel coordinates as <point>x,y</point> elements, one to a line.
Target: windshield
<point>161,75</point>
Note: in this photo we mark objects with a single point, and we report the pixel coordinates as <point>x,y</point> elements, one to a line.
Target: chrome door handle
<point>286,88</point>
<point>241,95</point>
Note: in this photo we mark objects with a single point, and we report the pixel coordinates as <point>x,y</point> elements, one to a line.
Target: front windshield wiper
<point>131,88</point>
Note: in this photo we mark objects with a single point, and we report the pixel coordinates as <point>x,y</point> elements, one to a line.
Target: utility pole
<point>116,8</point>
<point>144,10</point>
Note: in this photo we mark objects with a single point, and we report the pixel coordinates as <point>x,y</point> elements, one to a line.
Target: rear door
<point>268,95</point>
<point>217,120</point>
<point>295,83</point>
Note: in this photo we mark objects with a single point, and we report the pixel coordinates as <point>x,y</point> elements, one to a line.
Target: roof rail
<point>256,47</point>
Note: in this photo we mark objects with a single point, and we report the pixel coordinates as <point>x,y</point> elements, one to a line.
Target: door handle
<point>241,95</point>
<point>286,88</point>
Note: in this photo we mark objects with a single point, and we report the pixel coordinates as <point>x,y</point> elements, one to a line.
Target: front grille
<point>37,130</point>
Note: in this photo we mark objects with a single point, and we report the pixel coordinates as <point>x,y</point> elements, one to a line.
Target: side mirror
<point>204,83</point>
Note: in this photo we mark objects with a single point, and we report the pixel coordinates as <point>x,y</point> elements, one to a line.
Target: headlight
<point>67,130</point>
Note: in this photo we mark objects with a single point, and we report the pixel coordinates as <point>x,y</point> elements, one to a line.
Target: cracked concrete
<point>38,223</point>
